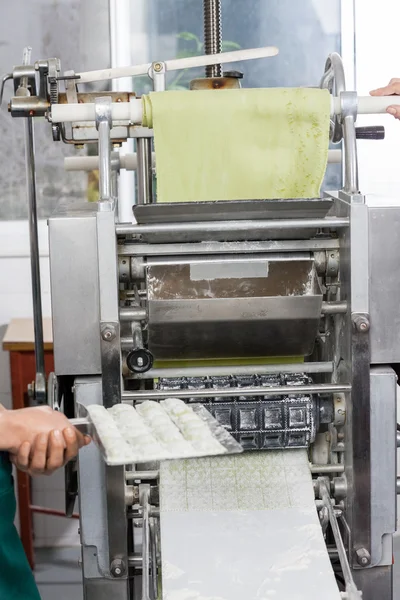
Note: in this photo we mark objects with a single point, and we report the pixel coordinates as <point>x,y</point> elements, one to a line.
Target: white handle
<point>129,161</point>
<point>128,112</point>
<point>179,63</point>
<point>367,105</point>
<point>90,163</point>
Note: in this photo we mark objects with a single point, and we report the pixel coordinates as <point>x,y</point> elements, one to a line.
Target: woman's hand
<point>39,440</point>
<point>392,89</point>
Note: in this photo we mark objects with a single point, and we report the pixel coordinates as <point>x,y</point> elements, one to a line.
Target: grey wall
<point>75,31</point>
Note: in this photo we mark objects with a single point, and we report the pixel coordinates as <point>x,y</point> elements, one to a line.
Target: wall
<point>377,61</point>
<point>15,302</point>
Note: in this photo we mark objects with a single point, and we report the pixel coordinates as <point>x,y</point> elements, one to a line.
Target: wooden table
<point>19,342</point>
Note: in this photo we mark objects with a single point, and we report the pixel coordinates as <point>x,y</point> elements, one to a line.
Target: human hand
<point>392,89</point>
<point>40,440</point>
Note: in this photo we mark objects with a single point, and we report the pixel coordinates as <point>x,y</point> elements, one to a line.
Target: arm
<point>392,89</point>
<point>39,440</point>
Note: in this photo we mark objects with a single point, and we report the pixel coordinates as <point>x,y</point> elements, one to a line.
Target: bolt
<point>139,361</point>
<point>157,67</point>
<point>363,557</point>
<point>361,323</point>
<point>117,567</point>
<point>108,334</point>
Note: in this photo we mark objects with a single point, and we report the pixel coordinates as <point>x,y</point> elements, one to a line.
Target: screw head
<point>108,334</point>
<point>158,67</point>
<point>363,557</point>
<point>117,567</point>
<point>361,323</point>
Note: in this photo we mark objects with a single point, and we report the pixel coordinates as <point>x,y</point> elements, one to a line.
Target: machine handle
<point>376,132</point>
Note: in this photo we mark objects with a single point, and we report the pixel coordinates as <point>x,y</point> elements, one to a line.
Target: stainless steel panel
<point>97,526</point>
<point>109,308</point>
<point>359,233</point>
<point>286,208</point>
<point>352,357</point>
<point>92,504</point>
<point>384,252</point>
<point>375,583</point>
<point>383,464</point>
<point>105,589</point>
<point>111,377</point>
<point>218,313</point>
<point>75,290</point>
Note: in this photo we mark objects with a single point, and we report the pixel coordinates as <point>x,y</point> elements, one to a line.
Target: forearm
<point>8,431</point>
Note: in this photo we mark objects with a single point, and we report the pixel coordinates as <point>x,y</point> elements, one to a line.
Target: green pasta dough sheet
<point>239,144</point>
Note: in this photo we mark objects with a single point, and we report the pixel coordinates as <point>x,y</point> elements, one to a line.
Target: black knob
<point>139,360</point>
<point>234,74</point>
<point>376,132</point>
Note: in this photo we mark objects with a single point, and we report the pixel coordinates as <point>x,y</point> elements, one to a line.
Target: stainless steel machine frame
<point>102,276</point>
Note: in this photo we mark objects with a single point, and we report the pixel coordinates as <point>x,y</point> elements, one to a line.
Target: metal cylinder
<point>132,314</point>
<point>351,184</point>
<point>245,226</point>
<point>144,171</point>
<point>137,335</point>
<point>141,475</point>
<point>326,469</point>
<point>237,391</point>
<point>334,308</point>
<point>104,162</point>
<point>135,561</point>
<point>226,370</point>
<point>212,34</point>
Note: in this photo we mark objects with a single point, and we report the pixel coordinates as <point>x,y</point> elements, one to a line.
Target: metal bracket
<point>157,73</point>
<point>144,496</point>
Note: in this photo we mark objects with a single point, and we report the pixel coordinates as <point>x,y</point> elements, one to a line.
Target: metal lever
<point>144,491</point>
<point>352,593</point>
<point>370,133</point>
<point>40,380</point>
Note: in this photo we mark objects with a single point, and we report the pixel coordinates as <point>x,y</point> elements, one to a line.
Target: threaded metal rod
<point>212,34</point>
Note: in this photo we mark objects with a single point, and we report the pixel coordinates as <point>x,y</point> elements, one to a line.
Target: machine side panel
<point>93,507</point>
<point>384,228</point>
<point>75,294</point>
<point>383,464</point>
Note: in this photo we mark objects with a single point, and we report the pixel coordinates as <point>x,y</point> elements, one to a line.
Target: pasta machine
<point>218,303</point>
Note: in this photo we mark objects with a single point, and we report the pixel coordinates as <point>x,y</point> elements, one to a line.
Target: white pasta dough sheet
<point>242,527</point>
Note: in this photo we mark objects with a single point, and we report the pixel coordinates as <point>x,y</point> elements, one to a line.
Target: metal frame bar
<point>123,229</point>
<point>317,367</point>
<point>140,249</point>
<point>237,391</point>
